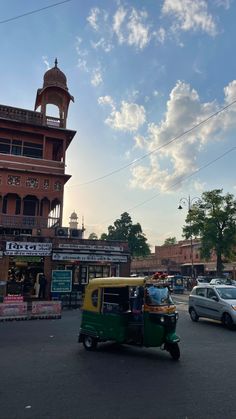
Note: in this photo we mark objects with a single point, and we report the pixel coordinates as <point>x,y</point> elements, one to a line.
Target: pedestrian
<point>42,286</point>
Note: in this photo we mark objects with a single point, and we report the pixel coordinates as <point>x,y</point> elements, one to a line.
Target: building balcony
<point>30,117</point>
<point>27,222</point>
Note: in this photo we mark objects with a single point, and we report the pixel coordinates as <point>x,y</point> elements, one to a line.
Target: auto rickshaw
<point>134,311</point>
<point>176,283</point>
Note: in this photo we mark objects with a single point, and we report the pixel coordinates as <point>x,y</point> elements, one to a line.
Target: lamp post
<point>189,202</point>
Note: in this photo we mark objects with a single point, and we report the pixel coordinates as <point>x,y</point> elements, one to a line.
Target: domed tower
<point>73,220</point>
<point>54,92</point>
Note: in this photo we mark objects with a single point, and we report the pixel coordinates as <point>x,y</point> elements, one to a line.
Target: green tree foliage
<point>93,236</point>
<point>124,230</point>
<point>213,220</point>
<point>170,241</point>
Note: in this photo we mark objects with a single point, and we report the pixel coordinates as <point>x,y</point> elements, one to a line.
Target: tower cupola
<point>54,92</point>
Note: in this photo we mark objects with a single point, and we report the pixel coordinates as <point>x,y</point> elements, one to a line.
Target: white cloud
<point>230,92</point>
<point>96,77</point>
<point>131,27</point>
<point>224,3</point>
<point>170,164</point>
<point>106,100</point>
<point>93,18</point>
<point>199,187</point>
<point>190,15</point>
<point>140,141</point>
<point>160,35</point>
<point>82,55</point>
<point>45,60</point>
<point>130,117</point>
<point>102,43</point>
<point>118,20</point>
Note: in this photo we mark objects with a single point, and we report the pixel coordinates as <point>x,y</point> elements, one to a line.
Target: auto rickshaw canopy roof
<point>116,282</point>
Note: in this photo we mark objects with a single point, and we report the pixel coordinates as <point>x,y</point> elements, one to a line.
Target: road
<point>45,373</point>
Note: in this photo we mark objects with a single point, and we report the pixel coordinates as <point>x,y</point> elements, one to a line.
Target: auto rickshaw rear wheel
<point>89,343</point>
<point>173,349</point>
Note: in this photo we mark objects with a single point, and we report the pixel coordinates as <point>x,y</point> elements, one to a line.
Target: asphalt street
<point>45,373</point>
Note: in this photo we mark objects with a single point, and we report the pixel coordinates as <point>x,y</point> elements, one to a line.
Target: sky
<point>154,84</point>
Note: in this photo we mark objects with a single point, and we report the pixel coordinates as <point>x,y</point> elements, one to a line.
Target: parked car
<point>222,281</point>
<point>214,302</point>
<point>203,280</point>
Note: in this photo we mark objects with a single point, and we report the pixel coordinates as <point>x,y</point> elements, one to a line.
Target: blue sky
<point>142,73</point>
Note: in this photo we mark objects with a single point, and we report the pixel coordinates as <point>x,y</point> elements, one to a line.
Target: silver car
<point>214,302</point>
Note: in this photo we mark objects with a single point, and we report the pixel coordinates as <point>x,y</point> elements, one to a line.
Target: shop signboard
<point>90,247</point>
<point>28,249</point>
<point>61,281</point>
<point>89,257</point>
<point>13,309</point>
<point>46,308</point>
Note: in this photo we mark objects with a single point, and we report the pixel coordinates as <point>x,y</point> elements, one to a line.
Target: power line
<point>34,11</point>
<point>157,148</point>
<point>180,180</point>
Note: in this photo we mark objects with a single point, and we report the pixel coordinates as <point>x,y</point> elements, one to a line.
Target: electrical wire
<point>133,163</point>
<point>34,11</point>
<point>179,181</point>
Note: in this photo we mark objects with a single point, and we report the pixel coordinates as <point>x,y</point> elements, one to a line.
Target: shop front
<point>91,261</point>
<point>25,261</point>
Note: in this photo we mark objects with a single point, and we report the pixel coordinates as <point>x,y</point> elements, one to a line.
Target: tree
<point>93,236</point>
<point>124,230</point>
<point>213,220</point>
<point>170,241</point>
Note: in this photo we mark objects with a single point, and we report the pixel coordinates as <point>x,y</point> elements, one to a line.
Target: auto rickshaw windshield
<point>158,295</point>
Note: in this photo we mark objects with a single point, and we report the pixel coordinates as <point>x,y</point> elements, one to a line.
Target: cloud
<point>160,35</point>
<point>169,165</point>
<point>82,55</point>
<point>190,15</point>
<point>102,43</point>
<point>130,117</point>
<point>131,27</point>
<point>140,141</point>
<point>93,18</point>
<point>99,21</point>
<point>45,60</point>
<point>224,3</point>
<point>96,77</point>
<point>106,100</point>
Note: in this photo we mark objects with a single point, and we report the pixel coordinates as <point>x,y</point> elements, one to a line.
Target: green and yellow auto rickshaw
<point>134,311</point>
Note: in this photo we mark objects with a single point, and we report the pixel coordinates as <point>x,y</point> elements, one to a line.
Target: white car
<point>203,280</point>
<point>214,302</point>
<point>222,281</point>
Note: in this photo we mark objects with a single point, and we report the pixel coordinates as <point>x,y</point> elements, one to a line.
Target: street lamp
<point>189,202</point>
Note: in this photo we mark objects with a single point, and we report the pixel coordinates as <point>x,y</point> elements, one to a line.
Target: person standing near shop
<point>42,286</point>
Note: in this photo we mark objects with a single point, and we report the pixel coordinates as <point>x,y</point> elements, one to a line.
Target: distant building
<point>182,257</point>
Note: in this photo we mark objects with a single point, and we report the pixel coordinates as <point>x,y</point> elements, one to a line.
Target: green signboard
<point>61,281</point>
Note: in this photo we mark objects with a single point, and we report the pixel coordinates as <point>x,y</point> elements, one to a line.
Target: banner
<point>13,309</point>
<point>46,307</point>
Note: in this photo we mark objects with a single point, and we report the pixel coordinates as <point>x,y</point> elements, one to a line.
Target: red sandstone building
<point>182,257</point>
<point>32,178</point>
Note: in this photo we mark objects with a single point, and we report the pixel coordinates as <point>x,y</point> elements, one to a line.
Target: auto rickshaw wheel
<point>89,343</point>
<point>174,351</point>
